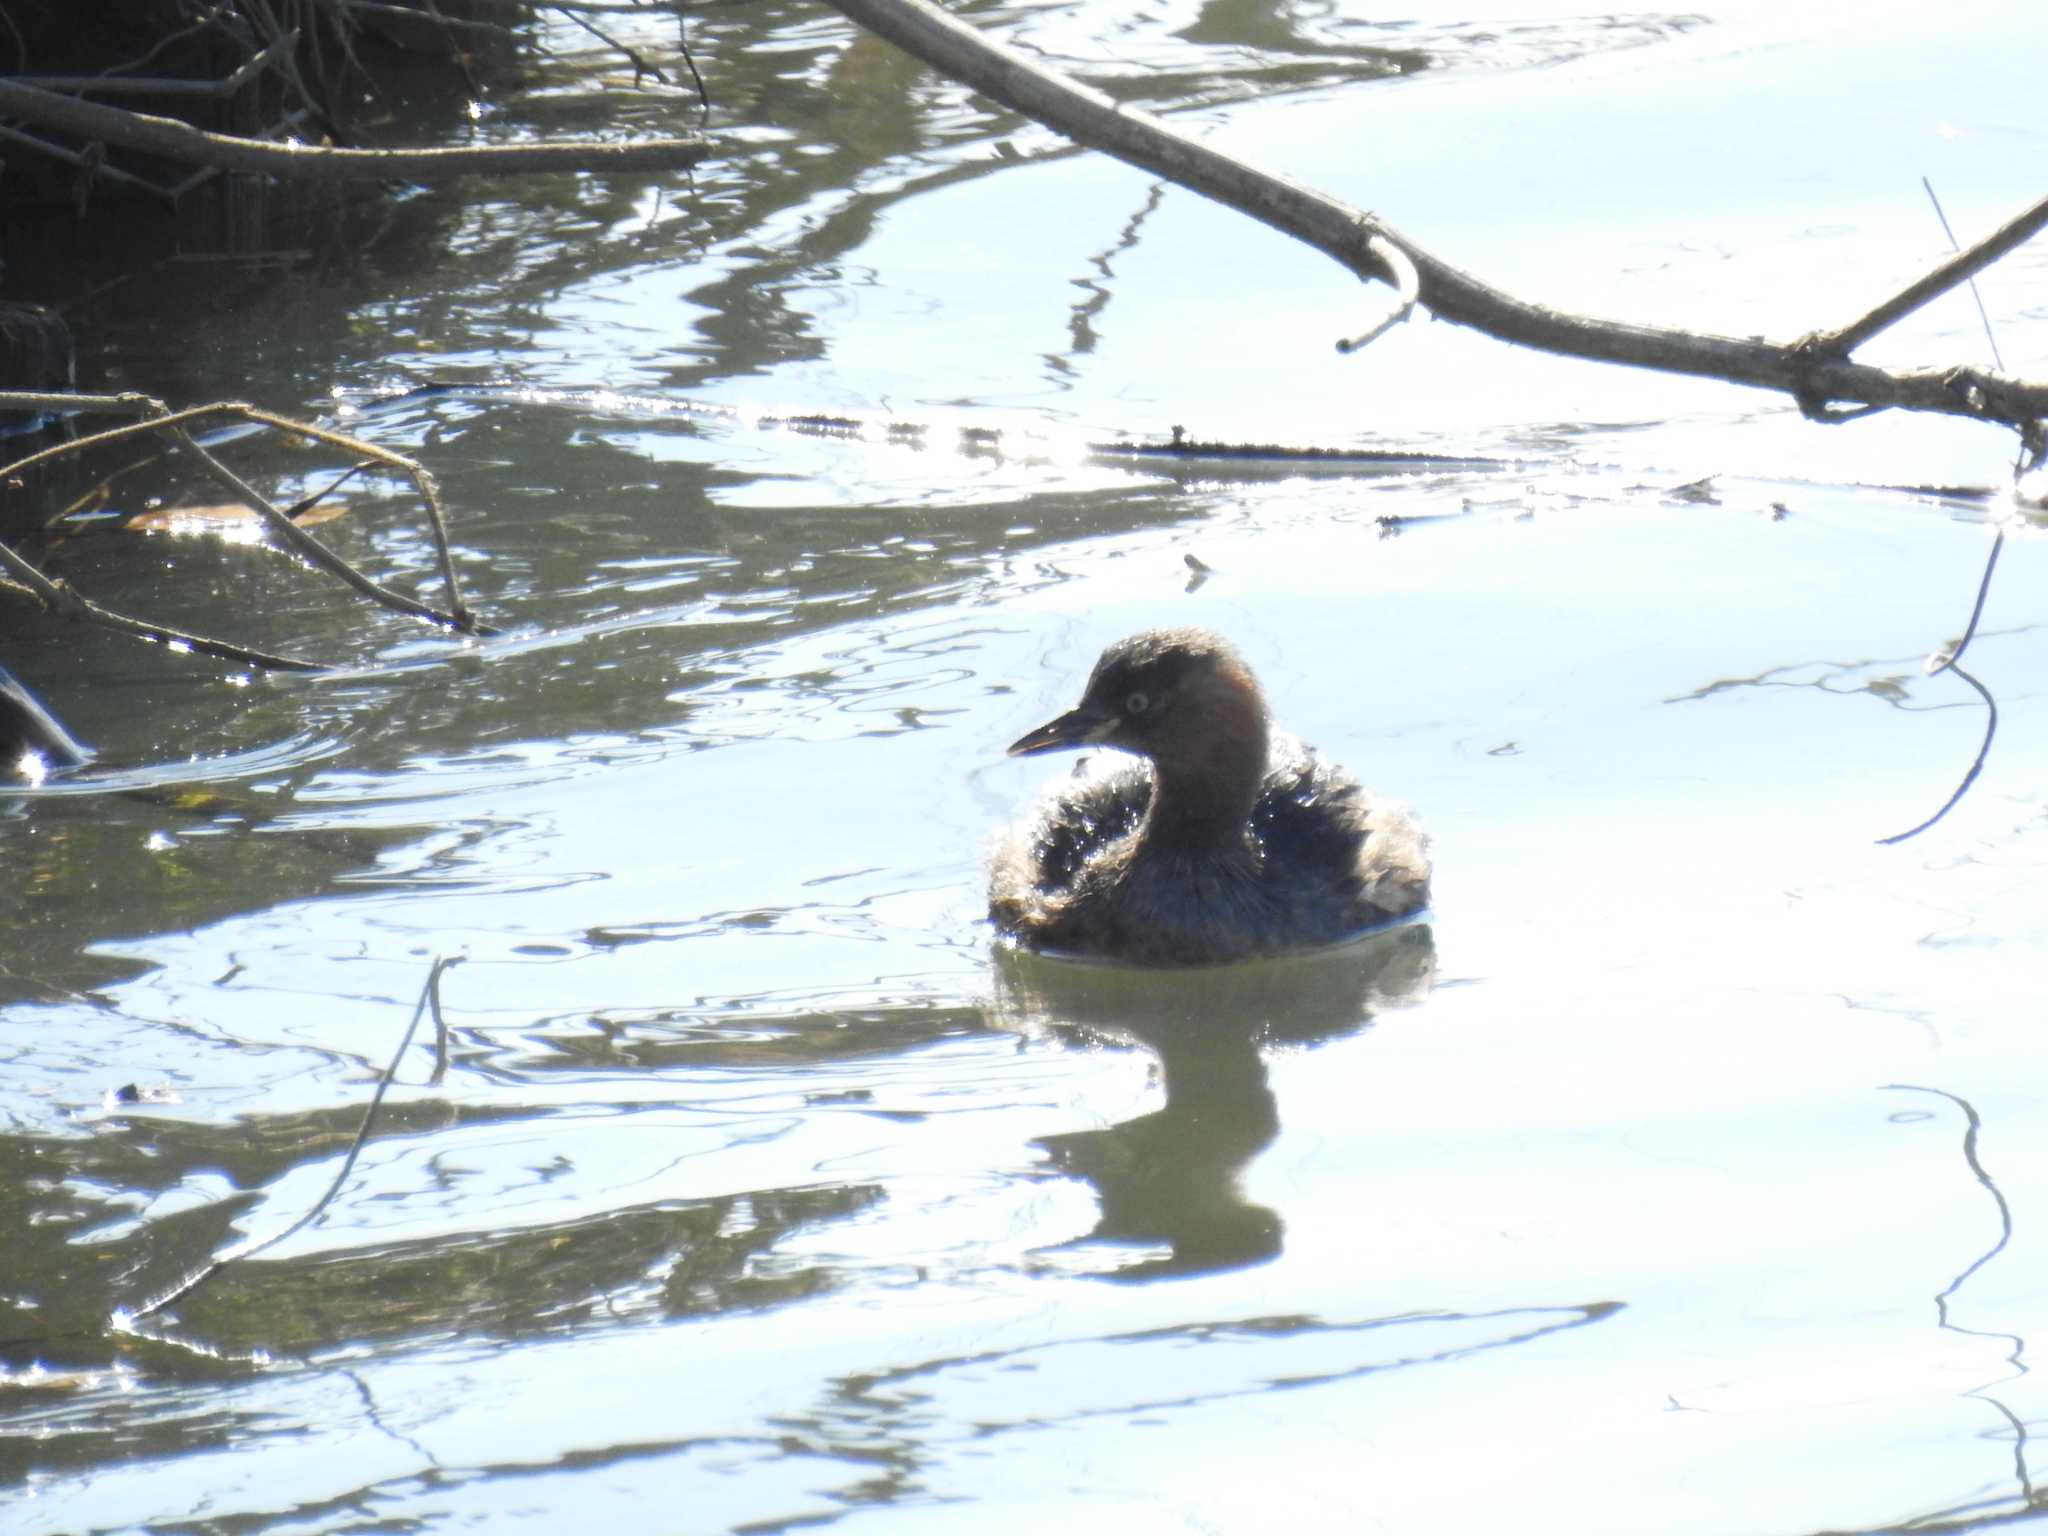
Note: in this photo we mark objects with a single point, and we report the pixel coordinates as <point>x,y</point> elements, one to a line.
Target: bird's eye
<point>1137,702</point>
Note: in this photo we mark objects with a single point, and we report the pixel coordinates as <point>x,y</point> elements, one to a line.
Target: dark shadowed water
<point>1684,1173</point>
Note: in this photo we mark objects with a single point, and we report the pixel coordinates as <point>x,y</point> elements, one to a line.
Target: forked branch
<point>19,577</point>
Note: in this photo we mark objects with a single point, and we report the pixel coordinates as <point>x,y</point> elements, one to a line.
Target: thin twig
<point>169,40</point>
<point>430,494</point>
<point>124,1321</point>
<point>160,417</point>
<point>690,59</point>
<point>1945,661</point>
<point>440,1023</point>
<point>641,68</point>
<point>85,405</point>
<point>410,14</point>
<point>1964,264</point>
<point>1990,730</point>
<point>305,504</point>
<point>61,601</point>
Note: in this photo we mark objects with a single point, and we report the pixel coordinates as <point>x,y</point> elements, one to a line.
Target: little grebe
<point>1239,841</point>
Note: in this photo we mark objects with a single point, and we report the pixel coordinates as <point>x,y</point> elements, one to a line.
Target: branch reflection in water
<point>1168,1180</point>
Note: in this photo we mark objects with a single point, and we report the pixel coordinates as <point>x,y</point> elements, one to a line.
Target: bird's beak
<point>1076,728</point>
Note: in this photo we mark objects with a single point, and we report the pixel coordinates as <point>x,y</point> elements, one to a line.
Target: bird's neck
<point>1204,799</point>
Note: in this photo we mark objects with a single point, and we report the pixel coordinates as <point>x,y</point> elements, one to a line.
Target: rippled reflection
<point>1168,1180</point>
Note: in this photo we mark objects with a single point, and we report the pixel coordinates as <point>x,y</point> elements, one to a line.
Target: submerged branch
<point>1977,767</point>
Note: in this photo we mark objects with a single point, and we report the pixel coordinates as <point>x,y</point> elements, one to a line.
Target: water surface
<point>1682,1173</point>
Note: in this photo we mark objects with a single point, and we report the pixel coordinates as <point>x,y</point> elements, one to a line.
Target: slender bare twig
<point>125,1320</point>
<point>441,964</point>
<point>1812,373</point>
<point>1976,296</point>
<point>164,86</point>
<point>305,545</point>
<point>641,68</point>
<point>690,59</point>
<point>175,140</point>
<point>205,21</point>
<point>1983,752</point>
<point>1958,268</point>
<point>60,600</point>
<point>1946,658</point>
<point>411,14</point>
<point>160,416</point>
<point>305,504</point>
<point>14,36</point>
<point>430,496</point>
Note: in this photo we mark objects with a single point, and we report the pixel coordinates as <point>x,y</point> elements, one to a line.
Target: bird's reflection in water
<point>1168,1180</point>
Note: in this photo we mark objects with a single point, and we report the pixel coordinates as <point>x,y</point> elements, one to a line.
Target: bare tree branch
<point>174,140</point>
<point>304,545</point>
<point>60,600</point>
<point>1815,371</point>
